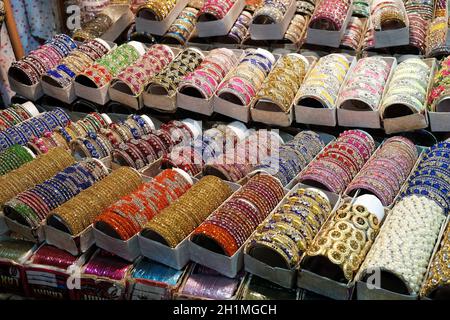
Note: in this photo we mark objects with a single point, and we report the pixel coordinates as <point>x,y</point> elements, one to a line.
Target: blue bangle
<point>91,149</point>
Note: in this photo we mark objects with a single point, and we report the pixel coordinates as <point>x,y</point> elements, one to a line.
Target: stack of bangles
<point>62,136</point>
<point>436,37</point>
<point>183,26</point>
<point>361,8</point>
<point>106,265</point>
<point>171,76</point>
<point>140,152</point>
<point>78,60</point>
<point>239,31</point>
<point>32,206</point>
<point>420,14</point>
<point>173,224</point>
<point>438,277</point>
<point>80,212</point>
<point>290,231</point>
<point>283,82</point>
<point>197,4</point>
<point>157,272</point>
<point>34,172</point>
<point>127,217</point>
<point>23,132</point>
<point>441,85</point>
<point>192,158</point>
<point>385,173</point>
<point>407,87</point>
<point>292,157</point>
<point>209,74</point>
<point>30,69</point>
<point>353,34</point>
<point>155,9</point>
<point>346,238</point>
<point>101,143</point>
<point>245,80</point>
<point>330,15</point>
<point>305,7</point>
<point>273,10</point>
<point>232,224</point>
<point>236,163</point>
<point>324,81</point>
<point>15,250</point>
<point>215,9</point>
<point>91,8</point>
<point>48,255</point>
<point>340,161</point>
<point>296,29</point>
<point>151,63</point>
<point>14,157</point>
<point>431,177</point>
<point>366,84</point>
<point>16,114</point>
<point>388,14</point>
<point>110,65</point>
<point>440,8</point>
<point>369,37</point>
<point>94,28</point>
<point>405,244</point>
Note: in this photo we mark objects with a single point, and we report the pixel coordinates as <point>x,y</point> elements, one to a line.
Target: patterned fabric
<point>6,58</point>
<point>2,12</point>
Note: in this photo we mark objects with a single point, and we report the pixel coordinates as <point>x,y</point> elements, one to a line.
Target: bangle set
<point>340,161</point>
<point>273,10</point>
<point>107,265</point>
<point>110,65</point>
<point>441,85</point>
<point>156,272</point>
<point>436,37</point>
<point>346,238</point>
<point>128,216</point>
<point>183,27</point>
<point>361,8</point>
<point>239,31</point>
<point>173,74</point>
<point>366,82</point>
<point>325,80</point>
<point>13,115</point>
<point>305,8</point>
<point>138,75</point>
<point>14,249</point>
<point>102,141</point>
<point>78,60</point>
<point>204,283</point>
<point>296,29</point>
<point>24,132</point>
<point>206,78</point>
<point>146,149</point>
<point>385,173</point>
<point>408,86</point>
<point>32,206</point>
<point>48,255</point>
<point>215,9</point>
<point>46,57</point>
<point>406,242</point>
<point>420,14</point>
<point>292,157</point>
<point>388,14</point>
<point>192,158</point>
<point>283,82</point>
<point>14,157</point>
<point>236,163</point>
<point>431,177</point>
<point>34,172</point>
<point>94,28</point>
<point>233,222</point>
<point>157,9</point>
<point>330,15</point>
<point>438,276</point>
<point>353,34</point>
<point>81,211</point>
<point>173,224</point>
<point>246,79</point>
<point>291,229</point>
